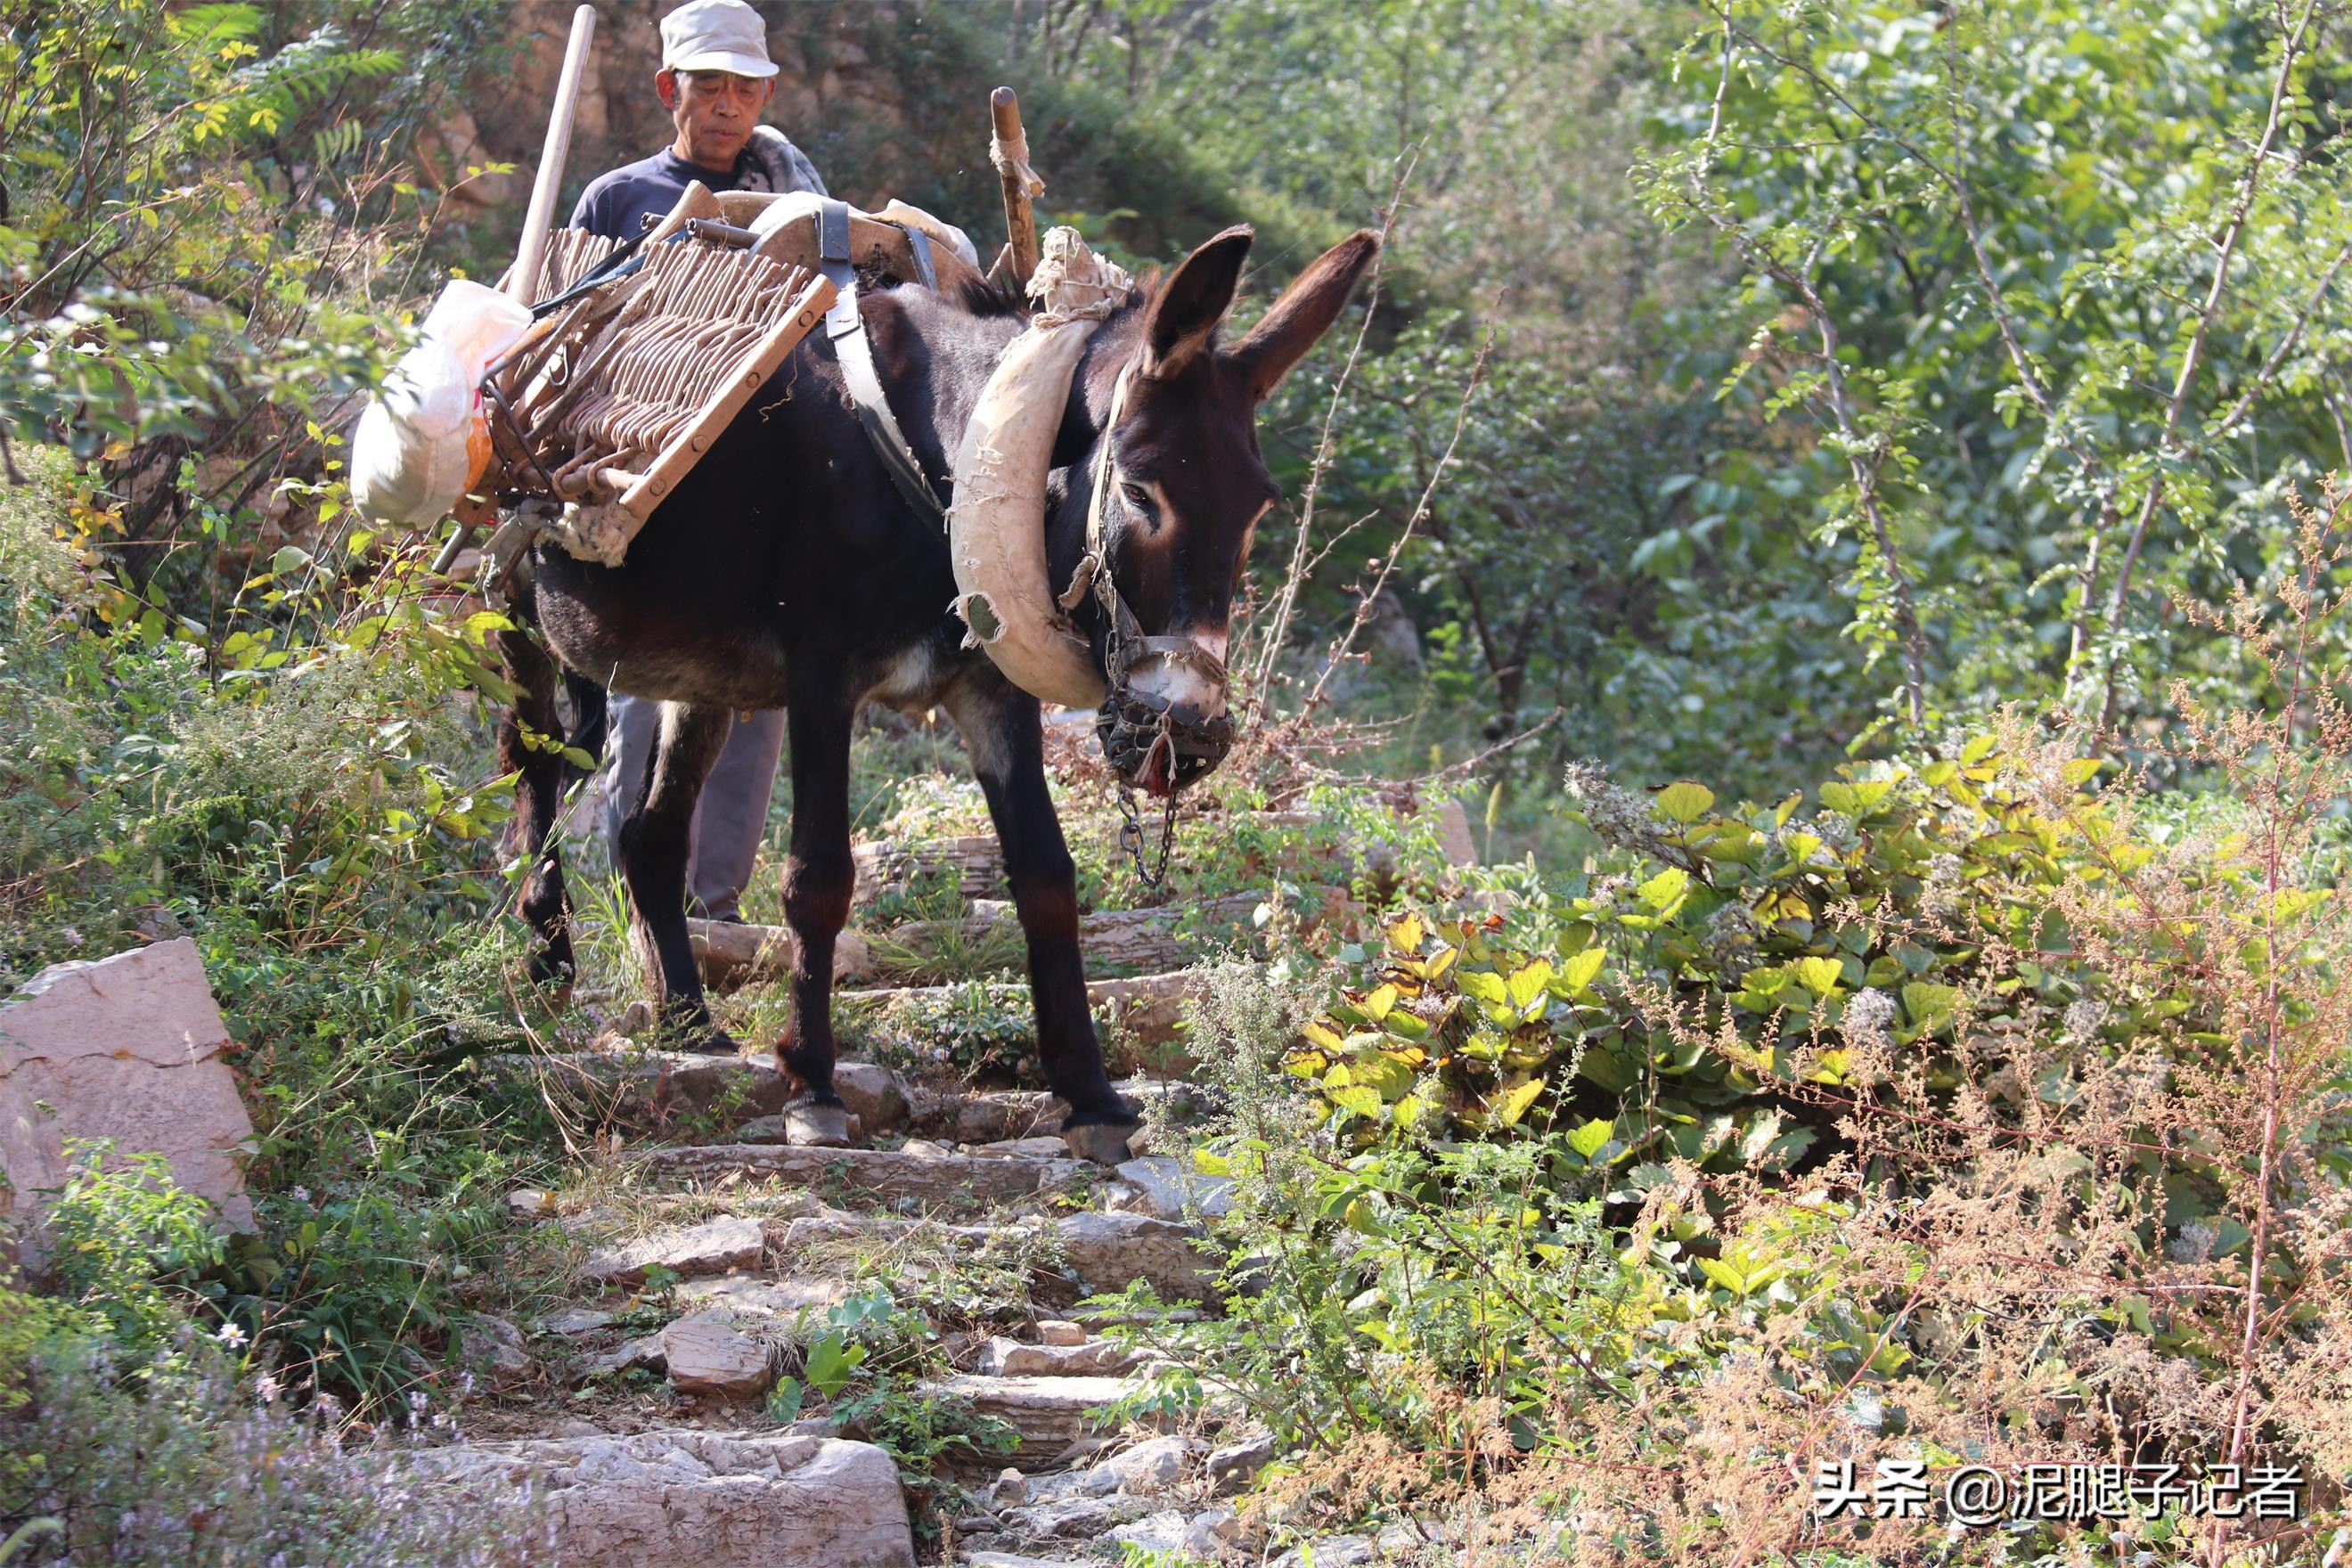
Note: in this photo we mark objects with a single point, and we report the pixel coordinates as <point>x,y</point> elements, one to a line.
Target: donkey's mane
<point>983,299</point>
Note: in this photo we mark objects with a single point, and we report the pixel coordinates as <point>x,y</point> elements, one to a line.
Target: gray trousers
<point>730,818</point>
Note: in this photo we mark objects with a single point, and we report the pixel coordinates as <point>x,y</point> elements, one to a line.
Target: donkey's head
<point>1172,492</point>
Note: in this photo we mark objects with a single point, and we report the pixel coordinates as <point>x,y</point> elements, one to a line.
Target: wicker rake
<point>617,394</point>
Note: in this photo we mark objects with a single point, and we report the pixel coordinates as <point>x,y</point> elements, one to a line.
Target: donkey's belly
<point>665,649</point>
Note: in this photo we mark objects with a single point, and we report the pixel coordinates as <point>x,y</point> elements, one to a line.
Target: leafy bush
<point>1970,1117</point>
<point>160,1462</point>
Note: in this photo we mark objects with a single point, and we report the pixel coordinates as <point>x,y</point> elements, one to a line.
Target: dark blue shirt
<point>614,204</point>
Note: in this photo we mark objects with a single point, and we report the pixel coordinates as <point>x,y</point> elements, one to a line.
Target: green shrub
<point>160,1462</point>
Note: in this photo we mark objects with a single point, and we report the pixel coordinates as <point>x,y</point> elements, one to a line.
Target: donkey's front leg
<point>1000,726</point>
<point>819,877</point>
<point>656,840</point>
<point>539,801</point>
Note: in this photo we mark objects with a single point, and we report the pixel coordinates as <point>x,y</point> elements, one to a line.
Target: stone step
<point>923,1173</point>
<point>1049,1413</point>
<point>653,1088</point>
<point>687,1498</point>
<point>1105,1251</point>
<point>713,1246</point>
<point>1004,1357</point>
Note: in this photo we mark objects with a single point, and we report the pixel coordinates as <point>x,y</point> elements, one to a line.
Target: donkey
<point>787,571</point>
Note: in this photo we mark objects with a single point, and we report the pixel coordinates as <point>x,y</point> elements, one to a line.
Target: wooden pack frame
<point>611,400</point>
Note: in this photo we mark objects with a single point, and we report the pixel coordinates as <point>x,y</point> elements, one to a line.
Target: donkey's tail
<point>590,708</point>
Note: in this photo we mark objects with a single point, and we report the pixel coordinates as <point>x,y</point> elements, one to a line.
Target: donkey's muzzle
<point>1161,747</point>
<point>1164,723</point>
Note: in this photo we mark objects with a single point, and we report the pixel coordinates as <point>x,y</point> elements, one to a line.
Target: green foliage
<point>158,1460</point>
<point>1681,1008</point>
<point>2049,281</point>
<point>129,1248</point>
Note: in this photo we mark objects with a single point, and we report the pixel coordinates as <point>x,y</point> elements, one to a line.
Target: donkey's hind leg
<point>539,800</point>
<point>656,840</point>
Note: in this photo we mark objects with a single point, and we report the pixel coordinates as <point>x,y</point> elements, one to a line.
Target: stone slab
<point>713,1246</point>
<point>884,1172</point>
<point>126,1049</point>
<point>684,1498</point>
<point>1050,1413</point>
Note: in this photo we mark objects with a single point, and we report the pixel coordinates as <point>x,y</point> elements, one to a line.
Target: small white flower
<point>1867,1017</point>
<point>265,1387</point>
<point>231,1336</point>
<point>300,1194</point>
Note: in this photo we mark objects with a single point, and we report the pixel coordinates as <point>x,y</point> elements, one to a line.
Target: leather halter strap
<point>1128,644</point>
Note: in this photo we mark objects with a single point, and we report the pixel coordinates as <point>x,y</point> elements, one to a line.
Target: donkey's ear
<point>1304,313</point>
<point>1185,312</point>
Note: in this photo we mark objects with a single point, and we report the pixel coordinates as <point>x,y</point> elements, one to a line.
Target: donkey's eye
<point>1139,498</point>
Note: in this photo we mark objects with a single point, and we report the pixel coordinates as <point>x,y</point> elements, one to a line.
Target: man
<point>715,80</point>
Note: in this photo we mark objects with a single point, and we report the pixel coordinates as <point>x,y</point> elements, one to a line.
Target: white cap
<point>716,35</point>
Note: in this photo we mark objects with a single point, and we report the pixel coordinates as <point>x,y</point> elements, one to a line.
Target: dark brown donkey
<point>786,571</point>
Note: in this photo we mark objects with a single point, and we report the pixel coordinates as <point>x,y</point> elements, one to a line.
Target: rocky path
<point>720,1305</point>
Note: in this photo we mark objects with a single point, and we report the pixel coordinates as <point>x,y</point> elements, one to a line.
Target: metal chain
<point>1130,828</point>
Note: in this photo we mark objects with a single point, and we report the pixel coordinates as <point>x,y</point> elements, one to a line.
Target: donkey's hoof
<point>812,1126</point>
<point>1101,1142</point>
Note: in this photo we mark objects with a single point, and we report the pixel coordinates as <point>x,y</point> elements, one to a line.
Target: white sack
<point>420,439</point>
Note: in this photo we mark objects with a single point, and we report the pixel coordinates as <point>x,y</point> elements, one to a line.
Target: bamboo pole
<point>1008,151</point>
<point>523,281</point>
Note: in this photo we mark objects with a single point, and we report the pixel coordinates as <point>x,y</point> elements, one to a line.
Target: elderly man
<point>715,80</point>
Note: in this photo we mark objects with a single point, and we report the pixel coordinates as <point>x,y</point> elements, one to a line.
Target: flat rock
<point>1003,1357</point>
<point>1014,1559</point>
<point>1240,1461</point>
<point>126,1049</point>
<point>643,1354</point>
<point>1111,1251</point>
<point>749,1300</point>
<point>1166,1186</point>
<point>706,1356</point>
<point>495,1345</point>
<point>1153,1465</point>
<point>1071,1518</point>
<point>712,1247</point>
<point>1331,1552</point>
<point>1164,1532</point>
<point>984,1116</point>
<point>1057,1331</point>
<point>873,1095</point>
<point>1050,1413</point>
<point>687,1498</point>
<point>923,1178</point>
<point>1019,1149</point>
<point>574,1320</point>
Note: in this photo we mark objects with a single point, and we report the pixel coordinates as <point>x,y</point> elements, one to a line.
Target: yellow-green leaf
<point>1661,891</point>
<point>1819,975</point>
<point>1515,1101</point>
<point>1592,1136</point>
<point>1578,971</point>
<point>1525,984</point>
<point>1684,801</point>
